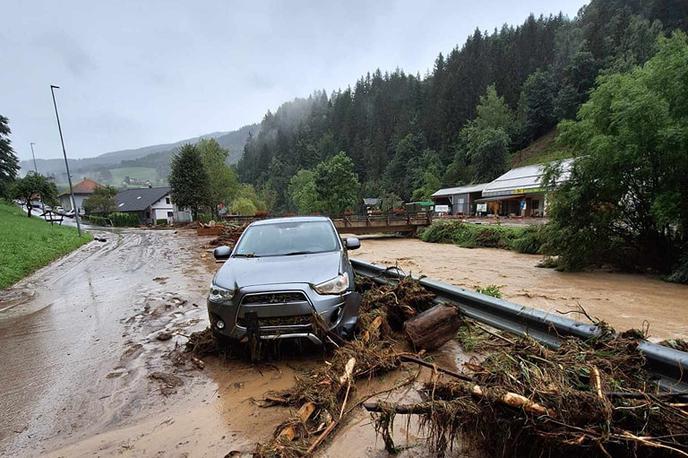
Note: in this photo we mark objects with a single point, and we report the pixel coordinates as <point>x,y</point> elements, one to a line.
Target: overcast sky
<point>136,73</point>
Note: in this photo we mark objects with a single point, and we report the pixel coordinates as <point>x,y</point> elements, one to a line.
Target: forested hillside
<point>460,123</point>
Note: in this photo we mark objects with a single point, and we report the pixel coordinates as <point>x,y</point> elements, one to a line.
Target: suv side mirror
<point>222,253</point>
<point>352,243</point>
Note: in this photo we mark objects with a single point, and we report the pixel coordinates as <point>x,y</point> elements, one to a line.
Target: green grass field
<point>27,244</point>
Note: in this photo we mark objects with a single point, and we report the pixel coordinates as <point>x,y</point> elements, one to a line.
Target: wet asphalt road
<point>72,335</point>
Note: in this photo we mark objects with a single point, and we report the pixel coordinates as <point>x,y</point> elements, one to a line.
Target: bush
<point>522,239</point>
<point>440,232</point>
<point>490,290</point>
<point>119,219</point>
<point>680,272</point>
<point>204,218</point>
<point>161,222</point>
<point>98,220</point>
<point>529,241</point>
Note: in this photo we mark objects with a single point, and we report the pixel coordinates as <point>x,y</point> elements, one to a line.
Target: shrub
<point>490,290</point>
<point>119,219</point>
<point>440,232</point>
<point>204,218</point>
<point>98,220</point>
<point>680,272</point>
<point>161,222</point>
<point>466,235</point>
<point>529,241</point>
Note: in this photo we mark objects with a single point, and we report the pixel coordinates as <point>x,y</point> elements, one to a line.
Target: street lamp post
<point>64,153</point>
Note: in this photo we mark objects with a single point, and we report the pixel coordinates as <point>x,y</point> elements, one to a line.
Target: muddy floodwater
<point>84,372</point>
<point>623,300</point>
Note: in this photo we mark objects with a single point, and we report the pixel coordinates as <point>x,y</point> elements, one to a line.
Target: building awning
<point>497,198</point>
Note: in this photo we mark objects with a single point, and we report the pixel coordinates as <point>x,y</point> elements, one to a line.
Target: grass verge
<point>527,239</point>
<point>27,244</point>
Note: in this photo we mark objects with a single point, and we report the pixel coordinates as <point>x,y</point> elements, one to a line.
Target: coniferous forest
<point>461,122</point>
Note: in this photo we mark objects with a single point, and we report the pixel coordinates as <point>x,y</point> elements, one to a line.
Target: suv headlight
<point>220,295</point>
<point>337,285</point>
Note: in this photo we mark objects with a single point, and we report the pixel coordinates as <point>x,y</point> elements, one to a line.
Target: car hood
<point>308,268</point>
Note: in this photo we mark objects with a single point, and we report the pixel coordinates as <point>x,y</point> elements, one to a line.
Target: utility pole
<point>64,153</point>
<point>35,168</point>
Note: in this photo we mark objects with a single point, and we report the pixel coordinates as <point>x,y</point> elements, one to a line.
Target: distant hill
<point>138,161</point>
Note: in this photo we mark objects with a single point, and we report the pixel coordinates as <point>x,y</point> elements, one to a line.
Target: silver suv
<point>282,274</point>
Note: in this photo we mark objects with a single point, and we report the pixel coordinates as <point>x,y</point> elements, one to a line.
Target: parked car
<point>281,274</point>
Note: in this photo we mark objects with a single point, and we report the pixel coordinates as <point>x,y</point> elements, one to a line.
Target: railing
<point>670,366</point>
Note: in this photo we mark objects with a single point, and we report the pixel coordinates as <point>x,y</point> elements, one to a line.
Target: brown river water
<point>623,300</point>
<point>77,346</point>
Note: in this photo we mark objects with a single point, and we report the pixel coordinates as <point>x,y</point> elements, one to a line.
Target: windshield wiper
<point>294,253</point>
<point>245,255</point>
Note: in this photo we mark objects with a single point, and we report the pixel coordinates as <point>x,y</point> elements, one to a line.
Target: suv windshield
<point>288,238</point>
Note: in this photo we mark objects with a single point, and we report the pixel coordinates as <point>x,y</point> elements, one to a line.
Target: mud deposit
<point>623,300</point>
<point>82,345</point>
<point>85,347</point>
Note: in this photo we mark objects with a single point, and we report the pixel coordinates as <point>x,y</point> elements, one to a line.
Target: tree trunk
<point>434,327</point>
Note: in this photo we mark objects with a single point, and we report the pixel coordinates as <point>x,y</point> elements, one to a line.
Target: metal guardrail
<point>669,365</point>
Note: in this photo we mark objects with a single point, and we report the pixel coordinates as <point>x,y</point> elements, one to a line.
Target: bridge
<point>407,223</point>
<point>380,224</point>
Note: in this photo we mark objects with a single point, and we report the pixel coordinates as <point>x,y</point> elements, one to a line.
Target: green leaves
<point>625,202</point>
<point>189,180</point>
<point>336,184</point>
<point>102,200</point>
<point>303,192</point>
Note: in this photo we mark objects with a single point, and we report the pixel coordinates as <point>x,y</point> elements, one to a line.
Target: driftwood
<point>510,399</point>
<point>303,414</point>
<point>433,328</point>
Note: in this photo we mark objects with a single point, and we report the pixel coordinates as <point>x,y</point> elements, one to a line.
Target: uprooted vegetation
<point>584,398</point>
<point>518,398</point>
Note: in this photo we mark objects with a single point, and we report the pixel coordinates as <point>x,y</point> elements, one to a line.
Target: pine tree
<point>189,180</point>
<point>9,163</point>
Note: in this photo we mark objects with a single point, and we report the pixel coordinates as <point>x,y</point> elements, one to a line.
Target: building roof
<point>134,200</point>
<point>460,190</point>
<point>85,186</point>
<point>372,201</point>
<point>523,179</point>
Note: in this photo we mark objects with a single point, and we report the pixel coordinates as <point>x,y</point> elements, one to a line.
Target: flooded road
<point>75,337</point>
<point>78,348</point>
<point>84,373</point>
<point>623,300</point>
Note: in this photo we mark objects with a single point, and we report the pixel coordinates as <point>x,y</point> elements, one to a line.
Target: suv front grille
<point>297,320</point>
<point>274,298</point>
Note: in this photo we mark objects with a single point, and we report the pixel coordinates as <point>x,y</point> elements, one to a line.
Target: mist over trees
<point>461,121</point>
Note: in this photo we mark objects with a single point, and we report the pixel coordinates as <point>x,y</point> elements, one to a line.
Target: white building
<point>151,205</point>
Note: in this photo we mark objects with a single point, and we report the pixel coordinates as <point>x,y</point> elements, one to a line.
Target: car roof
<point>291,219</point>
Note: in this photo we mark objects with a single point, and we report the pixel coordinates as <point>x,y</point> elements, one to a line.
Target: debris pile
<point>585,398</point>
<point>229,235</point>
<point>518,398</point>
<point>325,396</point>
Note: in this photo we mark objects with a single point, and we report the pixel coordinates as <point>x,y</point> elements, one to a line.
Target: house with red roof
<point>82,191</point>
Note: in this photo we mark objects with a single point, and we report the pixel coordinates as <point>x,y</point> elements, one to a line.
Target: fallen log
<point>509,399</point>
<point>433,328</point>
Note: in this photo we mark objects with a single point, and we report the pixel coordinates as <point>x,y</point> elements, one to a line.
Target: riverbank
<point>27,244</point>
<point>623,300</point>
